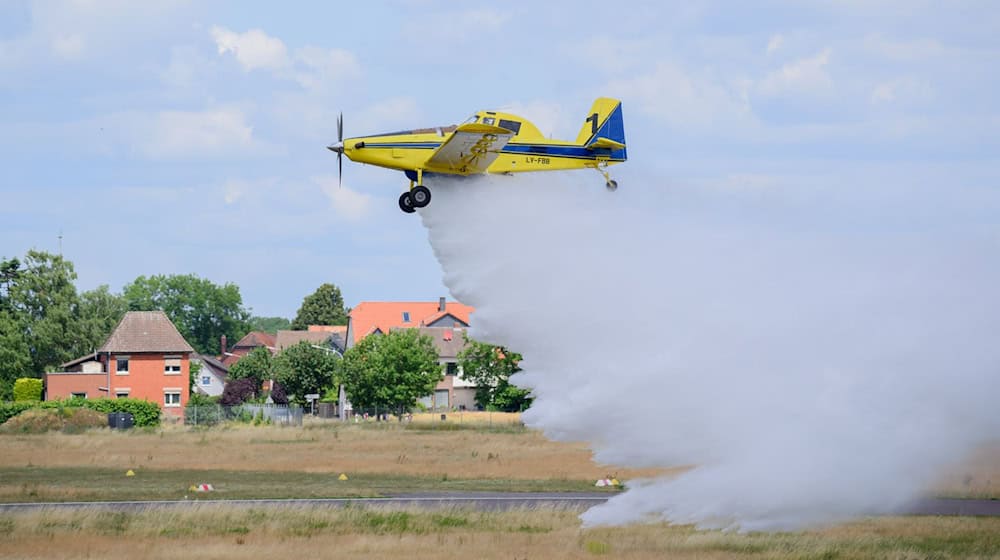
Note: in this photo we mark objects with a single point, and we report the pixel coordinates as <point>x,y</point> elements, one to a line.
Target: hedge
<point>145,413</point>
<point>27,389</point>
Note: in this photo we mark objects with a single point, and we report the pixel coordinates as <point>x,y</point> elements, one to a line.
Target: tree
<point>257,366</point>
<point>42,301</point>
<point>269,324</point>
<point>325,306</point>
<point>98,313</point>
<point>391,371</point>
<point>304,369</point>
<point>490,366</point>
<point>201,310</point>
<point>15,356</point>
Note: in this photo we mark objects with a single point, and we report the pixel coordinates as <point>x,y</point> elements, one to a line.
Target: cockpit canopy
<point>513,123</point>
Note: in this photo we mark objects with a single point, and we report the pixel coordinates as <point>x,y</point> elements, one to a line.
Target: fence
<point>277,414</point>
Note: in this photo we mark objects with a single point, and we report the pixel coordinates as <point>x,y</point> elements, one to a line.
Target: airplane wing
<point>470,149</point>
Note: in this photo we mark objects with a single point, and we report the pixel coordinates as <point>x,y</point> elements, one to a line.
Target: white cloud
<point>325,66</point>
<point>315,69</point>
<point>805,75</point>
<point>350,205</point>
<point>253,49</point>
<point>683,98</point>
<point>775,43</point>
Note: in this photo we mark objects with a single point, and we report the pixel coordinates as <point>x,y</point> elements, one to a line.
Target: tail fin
<point>604,128</point>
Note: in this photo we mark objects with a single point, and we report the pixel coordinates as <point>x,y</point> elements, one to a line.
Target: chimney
<point>442,305</point>
<point>222,345</point>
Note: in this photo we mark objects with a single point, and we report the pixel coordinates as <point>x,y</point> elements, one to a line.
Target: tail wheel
<point>612,185</point>
<point>406,203</point>
<point>421,196</point>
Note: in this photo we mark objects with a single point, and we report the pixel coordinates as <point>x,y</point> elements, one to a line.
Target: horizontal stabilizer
<point>605,143</point>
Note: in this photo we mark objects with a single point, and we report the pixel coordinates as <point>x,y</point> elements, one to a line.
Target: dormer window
<point>406,316</point>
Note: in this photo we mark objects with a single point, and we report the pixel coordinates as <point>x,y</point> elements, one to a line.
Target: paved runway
<point>478,500</point>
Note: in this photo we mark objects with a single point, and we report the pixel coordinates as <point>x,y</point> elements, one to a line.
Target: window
<point>171,365</point>
<point>489,120</point>
<point>171,398</point>
<point>406,316</point>
<point>79,395</point>
<point>451,368</point>
<point>513,126</point>
<point>206,380</point>
<point>121,393</point>
<point>471,119</point>
<point>121,365</point>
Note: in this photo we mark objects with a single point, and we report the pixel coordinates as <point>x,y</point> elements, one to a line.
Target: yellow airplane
<point>488,142</point>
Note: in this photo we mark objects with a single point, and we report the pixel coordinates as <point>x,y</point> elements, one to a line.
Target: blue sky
<point>189,137</point>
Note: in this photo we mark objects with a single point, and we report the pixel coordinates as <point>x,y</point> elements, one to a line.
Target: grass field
<point>210,531</point>
<point>470,451</point>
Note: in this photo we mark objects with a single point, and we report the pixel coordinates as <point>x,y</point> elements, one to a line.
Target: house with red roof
<point>247,344</point>
<point>145,357</point>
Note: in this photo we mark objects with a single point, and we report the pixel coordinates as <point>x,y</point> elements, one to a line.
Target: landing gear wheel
<point>421,196</point>
<point>612,185</point>
<point>406,203</point>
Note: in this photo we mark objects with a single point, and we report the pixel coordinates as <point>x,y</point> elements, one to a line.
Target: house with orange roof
<point>444,321</point>
<point>145,357</point>
<point>379,317</point>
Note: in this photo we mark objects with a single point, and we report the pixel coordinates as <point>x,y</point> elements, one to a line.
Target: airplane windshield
<point>471,119</point>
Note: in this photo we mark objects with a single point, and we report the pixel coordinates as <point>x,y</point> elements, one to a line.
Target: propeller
<point>339,148</point>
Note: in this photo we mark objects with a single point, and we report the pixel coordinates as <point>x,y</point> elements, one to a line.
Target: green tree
<point>391,371</point>
<point>43,301</point>
<point>325,306</point>
<point>98,313</point>
<point>304,369</point>
<point>257,366</point>
<point>490,366</point>
<point>201,310</point>
<point>269,324</point>
<point>10,270</point>
<point>15,356</point>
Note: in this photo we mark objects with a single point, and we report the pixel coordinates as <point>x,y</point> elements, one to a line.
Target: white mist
<point>810,367</point>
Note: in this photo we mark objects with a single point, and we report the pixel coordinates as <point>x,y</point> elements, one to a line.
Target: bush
<point>27,389</point>
<point>145,413</point>
<point>199,399</point>
<point>10,410</point>
<point>278,395</point>
<point>238,391</point>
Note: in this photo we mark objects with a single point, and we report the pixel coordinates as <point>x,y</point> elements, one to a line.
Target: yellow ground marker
<point>130,473</point>
<point>342,477</point>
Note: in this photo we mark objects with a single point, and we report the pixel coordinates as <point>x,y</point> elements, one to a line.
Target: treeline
<point>45,321</point>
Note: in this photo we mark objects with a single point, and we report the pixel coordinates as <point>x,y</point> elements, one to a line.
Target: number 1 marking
<point>592,119</point>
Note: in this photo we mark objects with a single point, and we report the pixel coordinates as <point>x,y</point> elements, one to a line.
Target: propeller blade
<point>340,169</point>
<point>340,127</point>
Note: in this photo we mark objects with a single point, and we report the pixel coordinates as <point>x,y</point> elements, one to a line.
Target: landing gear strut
<point>611,184</point>
<point>416,196</point>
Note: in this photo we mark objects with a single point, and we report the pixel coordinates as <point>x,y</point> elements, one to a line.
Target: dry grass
<point>220,532</point>
<point>387,447</point>
<point>975,477</point>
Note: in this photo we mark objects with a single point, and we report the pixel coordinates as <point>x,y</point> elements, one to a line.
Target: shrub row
<point>145,413</point>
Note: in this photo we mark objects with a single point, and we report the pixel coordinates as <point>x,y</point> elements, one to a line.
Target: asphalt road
<point>478,500</point>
